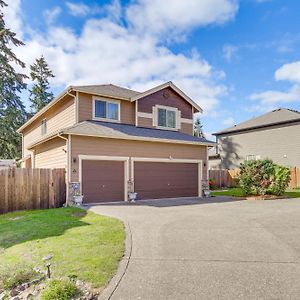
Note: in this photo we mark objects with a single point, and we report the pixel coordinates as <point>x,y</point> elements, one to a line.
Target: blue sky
<point>237,59</point>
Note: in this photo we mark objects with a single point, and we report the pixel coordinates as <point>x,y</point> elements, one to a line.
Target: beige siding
<point>145,122</point>
<point>51,154</point>
<point>113,147</point>
<point>60,116</point>
<point>281,144</point>
<point>86,109</point>
<point>186,128</point>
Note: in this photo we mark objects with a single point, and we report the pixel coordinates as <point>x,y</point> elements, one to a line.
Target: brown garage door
<point>102,181</point>
<point>155,180</point>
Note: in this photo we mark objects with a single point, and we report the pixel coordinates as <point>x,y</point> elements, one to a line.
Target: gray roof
<point>117,130</point>
<point>109,90</point>
<point>278,116</point>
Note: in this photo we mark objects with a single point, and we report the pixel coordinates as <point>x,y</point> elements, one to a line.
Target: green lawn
<point>237,192</point>
<point>82,243</point>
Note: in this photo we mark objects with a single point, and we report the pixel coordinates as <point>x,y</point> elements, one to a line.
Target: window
<point>166,118</point>
<point>44,126</point>
<point>252,157</point>
<point>106,110</point>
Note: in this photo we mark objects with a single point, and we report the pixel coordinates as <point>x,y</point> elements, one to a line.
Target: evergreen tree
<point>198,128</point>
<point>39,94</point>
<point>12,110</point>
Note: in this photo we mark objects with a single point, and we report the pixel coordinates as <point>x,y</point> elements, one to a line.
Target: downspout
<point>68,164</point>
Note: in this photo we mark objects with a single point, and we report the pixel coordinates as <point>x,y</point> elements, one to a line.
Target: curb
<point>113,284</point>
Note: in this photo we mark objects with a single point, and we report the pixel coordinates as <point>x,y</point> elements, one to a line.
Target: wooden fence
<point>22,189</point>
<point>228,178</point>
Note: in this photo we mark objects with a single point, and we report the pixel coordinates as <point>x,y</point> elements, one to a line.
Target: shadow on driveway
<point>170,202</point>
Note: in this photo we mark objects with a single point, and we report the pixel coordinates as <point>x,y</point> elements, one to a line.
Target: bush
<point>260,177</point>
<point>255,176</point>
<point>10,281</point>
<point>281,180</point>
<point>60,290</point>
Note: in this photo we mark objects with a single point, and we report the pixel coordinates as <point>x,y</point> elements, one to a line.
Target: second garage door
<point>102,181</point>
<point>154,180</point>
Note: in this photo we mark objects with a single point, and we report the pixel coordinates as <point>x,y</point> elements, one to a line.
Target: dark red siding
<point>166,97</point>
<point>154,180</point>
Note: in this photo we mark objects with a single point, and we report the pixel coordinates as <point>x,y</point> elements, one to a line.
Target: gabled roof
<point>172,86</point>
<point>131,132</point>
<point>111,91</point>
<point>275,117</point>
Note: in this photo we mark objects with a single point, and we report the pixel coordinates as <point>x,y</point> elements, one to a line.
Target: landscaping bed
<point>83,248</point>
<point>238,193</point>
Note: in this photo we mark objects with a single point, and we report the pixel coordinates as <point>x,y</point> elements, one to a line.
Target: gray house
<point>274,135</point>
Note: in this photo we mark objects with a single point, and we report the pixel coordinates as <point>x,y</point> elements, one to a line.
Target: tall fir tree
<point>40,74</point>
<point>198,128</point>
<point>12,110</point>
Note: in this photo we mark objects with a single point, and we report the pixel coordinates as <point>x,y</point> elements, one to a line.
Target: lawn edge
<point>113,284</point>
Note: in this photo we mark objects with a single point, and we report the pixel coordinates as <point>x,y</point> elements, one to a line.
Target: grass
<point>237,192</point>
<point>83,245</point>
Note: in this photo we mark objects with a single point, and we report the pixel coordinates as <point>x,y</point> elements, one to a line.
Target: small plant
<point>10,281</point>
<point>60,290</point>
<point>212,184</point>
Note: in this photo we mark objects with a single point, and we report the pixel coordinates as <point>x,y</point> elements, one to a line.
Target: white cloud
<point>156,16</point>
<point>229,51</point>
<point>106,51</point>
<point>228,121</point>
<point>12,15</point>
<point>289,72</point>
<point>51,14</point>
<point>78,9</point>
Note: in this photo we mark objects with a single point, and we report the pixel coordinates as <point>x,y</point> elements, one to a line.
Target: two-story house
<point>110,138</point>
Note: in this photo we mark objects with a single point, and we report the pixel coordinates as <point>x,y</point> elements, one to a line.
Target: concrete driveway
<point>210,249</point>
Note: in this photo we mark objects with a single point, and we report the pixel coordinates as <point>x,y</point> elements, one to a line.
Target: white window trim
<point>177,117</point>
<point>95,98</point>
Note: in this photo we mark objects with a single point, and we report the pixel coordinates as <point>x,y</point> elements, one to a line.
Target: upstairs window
<point>44,127</point>
<point>104,109</point>
<point>166,118</point>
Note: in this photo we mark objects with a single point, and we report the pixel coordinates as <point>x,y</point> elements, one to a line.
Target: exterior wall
<point>281,144</point>
<point>51,154</point>
<point>187,128</point>
<point>85,109</point>
<point>113,147</point>
<point>165,97</point>
<point>59,116</point>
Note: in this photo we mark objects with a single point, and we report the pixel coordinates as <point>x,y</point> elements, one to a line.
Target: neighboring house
<point>112,140</point>
<point>274,135</point>
<point>7,164</point>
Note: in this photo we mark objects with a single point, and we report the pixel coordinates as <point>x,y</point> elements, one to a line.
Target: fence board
<point>227,178</point>
<point>31,189</point>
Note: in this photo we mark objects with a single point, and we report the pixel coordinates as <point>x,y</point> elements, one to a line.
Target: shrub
<point>282,177</point>
<point>212,184</point>
<point>255,176</point>
<point>60,290</point>
<point>10,281</point>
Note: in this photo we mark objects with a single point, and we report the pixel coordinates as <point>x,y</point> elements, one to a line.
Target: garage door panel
<point>165,180</point>
<point>102,181</point>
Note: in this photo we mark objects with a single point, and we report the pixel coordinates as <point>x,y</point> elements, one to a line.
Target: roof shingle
<point>117,130</point>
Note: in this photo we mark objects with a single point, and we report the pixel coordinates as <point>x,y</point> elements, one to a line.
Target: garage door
<point>155,180</point>
<point>102,181</point>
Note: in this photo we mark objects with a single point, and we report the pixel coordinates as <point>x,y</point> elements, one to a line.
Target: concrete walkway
<point>210,249</point>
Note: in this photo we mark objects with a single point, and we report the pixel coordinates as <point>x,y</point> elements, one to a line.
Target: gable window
<point>44,127</point>
<point>106,109</point>
<point>166,118</point>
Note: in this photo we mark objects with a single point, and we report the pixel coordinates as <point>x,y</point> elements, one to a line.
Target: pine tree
<point>198,128</point>
<point>12,110</point>
<point>39,94</point>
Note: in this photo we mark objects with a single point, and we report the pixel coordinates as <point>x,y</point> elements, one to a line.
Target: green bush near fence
<point>261,177</point>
